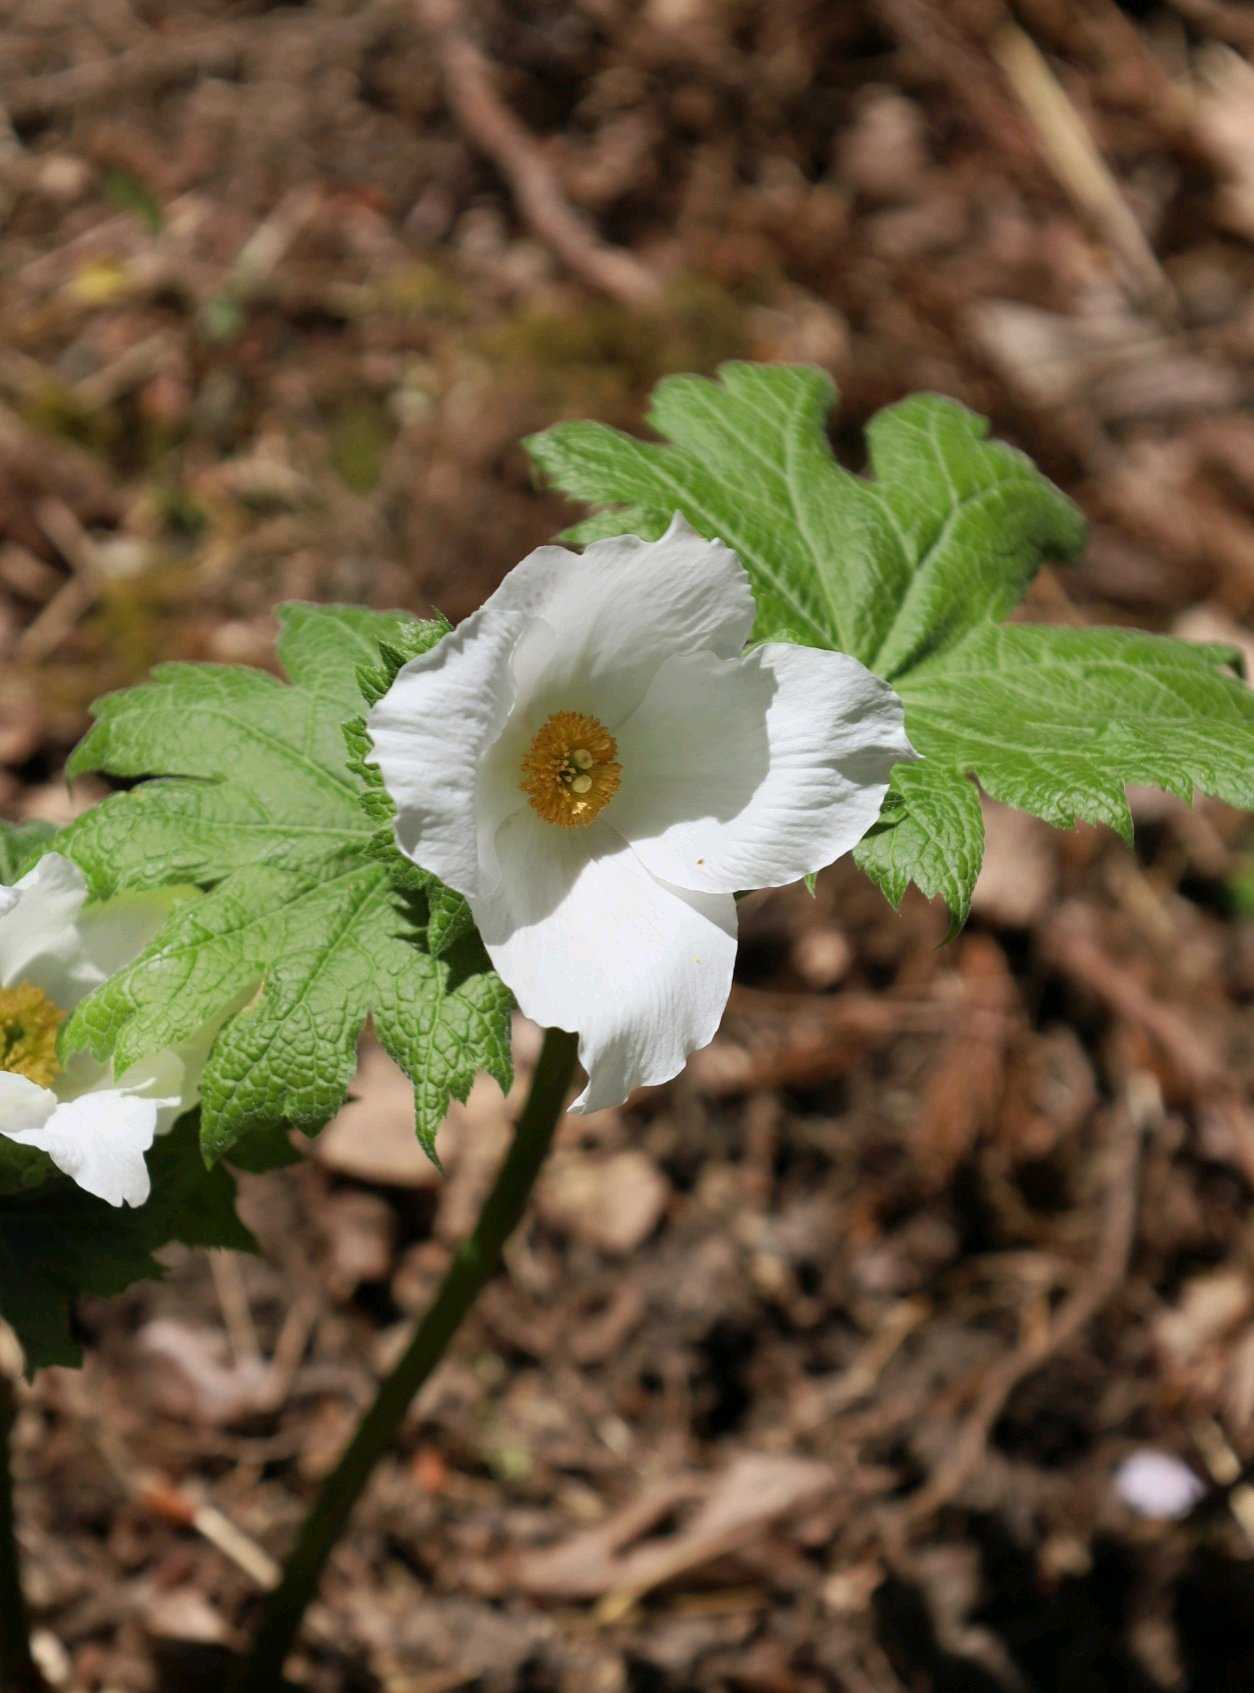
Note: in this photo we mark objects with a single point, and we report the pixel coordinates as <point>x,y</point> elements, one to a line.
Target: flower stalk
<point>18,1670</point>
<point>472,1267</point>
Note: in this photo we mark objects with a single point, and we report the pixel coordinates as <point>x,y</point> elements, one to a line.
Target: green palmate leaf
<point>1058,721</point>
<point>930,832</point>
<point>945,535</point>
<point>59,1242</point>
<point>909,569</point>
<point>267,769</point>
<point>313,922</point>
<point>326,648</point>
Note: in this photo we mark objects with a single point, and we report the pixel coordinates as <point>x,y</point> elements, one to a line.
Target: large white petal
<point>99,1141</point>
<point>588,940</point>
<point>24,1105</point>
<point>616,612</point>
<point>432,729</point>
<point>753,772</point>
<point>170,1078</point>
<point>40,939</point>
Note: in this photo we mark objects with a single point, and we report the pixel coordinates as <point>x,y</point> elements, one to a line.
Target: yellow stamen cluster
<point>28,1033</point>
<point>570,772</point>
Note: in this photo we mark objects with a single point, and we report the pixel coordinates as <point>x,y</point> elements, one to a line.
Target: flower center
<point>570,772</point>
<point>28,1033</point>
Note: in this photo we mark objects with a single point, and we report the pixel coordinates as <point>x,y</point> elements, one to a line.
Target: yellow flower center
<point>28,1033</point>
<point>570,772</point>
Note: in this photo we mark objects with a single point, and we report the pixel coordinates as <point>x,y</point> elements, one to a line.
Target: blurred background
<point>907,1341</point>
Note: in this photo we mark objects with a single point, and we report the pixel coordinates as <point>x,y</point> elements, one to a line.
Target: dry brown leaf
<point>612,1203</point>
<point>190,1377</point>
<point>965,1086</point>
<point>1225,122</point>
<point>730,1510</point>
<point>372,1137</point>
<point>1019,873</point>
<point>184,1614</point>
<point>1209,1308</point>
<point>360,1232</point>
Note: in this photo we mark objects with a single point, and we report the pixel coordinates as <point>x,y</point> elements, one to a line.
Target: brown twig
<point>1074,158</point>
<point>469,83</point>
<point>1028,117</point>
<point>173,1504</point>
<point>169,58</point>
<point>76,595</point>
<point>1141,1104</point>
<point>1224,18</point>
<point>1226,1471</point>
<point>32,461</point>
<point>1194,1055</point>
<point>936,33</point>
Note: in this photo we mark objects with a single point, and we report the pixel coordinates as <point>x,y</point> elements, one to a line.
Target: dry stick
<point>935,33</point>
<point>1140,1106</point>
<point>1074,159</point>
<point>493,128</point>
<point>18,1671</point>
<point>237,1316</point>
<point>1070,948</point>
<point>76,595</point>
<point>1226,1471</point>
<point>170,58</point>
<point>1039,123</point>
<point>171,1504</point>
<point>1226,18</point>
<point>138,69</point>
<point>473,1266</point>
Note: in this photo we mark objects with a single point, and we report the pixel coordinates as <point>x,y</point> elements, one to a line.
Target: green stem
<point>472,1267</point>
<point>18,1670</point>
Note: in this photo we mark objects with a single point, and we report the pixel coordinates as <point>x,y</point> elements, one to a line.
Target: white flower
<point>594,762</point>
<point>94,1126</point>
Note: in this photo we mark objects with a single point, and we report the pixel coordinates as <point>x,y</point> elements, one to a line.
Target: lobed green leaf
<point>1059,721</point>
<point>910,569</point>
<point>931,833</point>
<point>946,533</point>
<point>313,921</point>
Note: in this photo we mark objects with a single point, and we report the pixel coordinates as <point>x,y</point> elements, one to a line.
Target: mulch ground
<point>816,1370</point>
